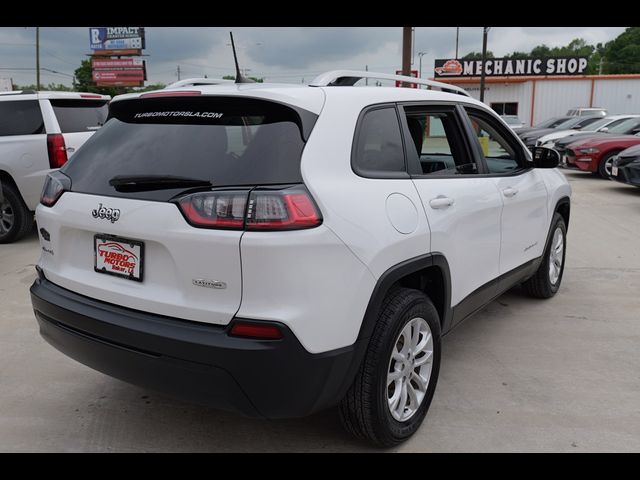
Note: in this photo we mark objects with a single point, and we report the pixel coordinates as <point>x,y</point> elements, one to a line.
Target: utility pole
<point>37,58</point>
<point>366,69</point>
<point>600,66</point>
<point>485,31</point>
<point>457,38</point>
<point>406,52</point>
<point>178,72</point>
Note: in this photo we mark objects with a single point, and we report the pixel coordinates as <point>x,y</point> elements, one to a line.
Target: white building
<point>537,98</point>
<point>6,85</point>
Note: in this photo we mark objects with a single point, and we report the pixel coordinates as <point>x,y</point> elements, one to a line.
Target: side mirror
<point>604,130</point>
<point>544,157</point>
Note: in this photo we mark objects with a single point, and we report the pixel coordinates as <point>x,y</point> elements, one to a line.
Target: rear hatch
<point>155,210</point>
<point>79,119</point>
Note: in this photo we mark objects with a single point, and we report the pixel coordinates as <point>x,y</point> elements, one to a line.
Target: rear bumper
<point>194,361</point>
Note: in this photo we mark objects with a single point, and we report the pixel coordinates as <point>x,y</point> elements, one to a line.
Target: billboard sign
<point>510,67</point>
<point>116,38</point>
<point>118,71</point>
<point>414,73</point>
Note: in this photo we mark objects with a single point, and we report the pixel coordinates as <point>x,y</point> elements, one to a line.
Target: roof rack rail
<point>194,82</point>
<point>348,78</point>
<point>18,92</point>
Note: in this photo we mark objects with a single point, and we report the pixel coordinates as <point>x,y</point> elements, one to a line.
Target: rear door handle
<point>441,202</point>
<point>510,192</point>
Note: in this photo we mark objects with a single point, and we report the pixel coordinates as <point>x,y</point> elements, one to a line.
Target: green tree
<point>233,77</point>
<point>622,54</point>
<point>517,55</point>
<point>477,55</point>
<point>52,87</point>
<point>83,82</point>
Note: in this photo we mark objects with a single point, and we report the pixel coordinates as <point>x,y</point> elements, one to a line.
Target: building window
<point>505,108</point>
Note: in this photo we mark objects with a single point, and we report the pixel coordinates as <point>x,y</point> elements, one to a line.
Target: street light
<point>420,54</point>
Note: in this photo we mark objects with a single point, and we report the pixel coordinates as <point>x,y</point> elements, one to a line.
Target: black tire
<point>540,285</point>
<point>602,171</point>
<point>365,411</point>
<point>21,221</point>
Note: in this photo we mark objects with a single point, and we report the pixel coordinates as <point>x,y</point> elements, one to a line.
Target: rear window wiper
<point>143,183</point>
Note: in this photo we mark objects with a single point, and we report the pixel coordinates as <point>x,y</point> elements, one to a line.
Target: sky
<point>278,54</point>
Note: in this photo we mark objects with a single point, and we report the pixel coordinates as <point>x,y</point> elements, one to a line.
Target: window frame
<point>400,175</point>
<point>504,104</point>
<point>523,155</point>
<point>414,166</point>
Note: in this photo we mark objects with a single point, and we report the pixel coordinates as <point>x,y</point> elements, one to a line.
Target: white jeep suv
<point>38,132</point>
<point>275,250</point>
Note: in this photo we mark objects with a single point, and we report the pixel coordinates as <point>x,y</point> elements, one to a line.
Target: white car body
<point>319,282</point>
<point>24,157</point>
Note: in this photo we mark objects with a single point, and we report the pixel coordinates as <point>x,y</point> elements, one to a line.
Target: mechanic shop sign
<point>511,67</point>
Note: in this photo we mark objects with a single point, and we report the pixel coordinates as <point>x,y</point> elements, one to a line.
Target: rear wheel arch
<point>427,273</point>
<point>7,179</point>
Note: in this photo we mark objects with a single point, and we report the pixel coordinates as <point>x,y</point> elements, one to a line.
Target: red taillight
<point>215,209</point>
<point>287,209</point>
<point>57,150</point>
<point>90,95</point>
<point>54,186</point>
<point>255,330</point>
<point>183,93</point>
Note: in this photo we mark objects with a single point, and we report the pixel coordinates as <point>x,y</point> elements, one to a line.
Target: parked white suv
<point>38,132</point>
<point>279,249</point>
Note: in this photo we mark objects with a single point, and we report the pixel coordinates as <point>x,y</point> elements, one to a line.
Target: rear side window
<point>20,117</point>
<point>80,115</point>
<point>378,148</point>
<point>222,140</point>
<point>438,143</point>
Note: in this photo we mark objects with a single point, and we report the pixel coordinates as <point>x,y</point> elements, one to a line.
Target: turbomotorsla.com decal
<point>178,114</point>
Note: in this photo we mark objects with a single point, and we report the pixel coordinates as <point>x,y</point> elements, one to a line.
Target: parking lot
<point>522,375</point>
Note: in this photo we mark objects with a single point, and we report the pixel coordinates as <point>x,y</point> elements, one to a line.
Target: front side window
<point>501,154</point>
<point>379,144</point>
<point>20,117</point>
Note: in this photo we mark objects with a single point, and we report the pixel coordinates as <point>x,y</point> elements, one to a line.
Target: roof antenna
<point>239,77</point>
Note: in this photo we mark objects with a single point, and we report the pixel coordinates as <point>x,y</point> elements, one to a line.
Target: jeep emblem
<point>112,214</point>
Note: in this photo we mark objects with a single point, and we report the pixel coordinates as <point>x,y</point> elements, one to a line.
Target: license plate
<point>614,171</point>
<point>118,256</point>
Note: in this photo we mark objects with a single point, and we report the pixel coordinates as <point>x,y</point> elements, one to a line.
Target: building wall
<point>505,92</point>
<point>555,97</point>
<point>618,96</point>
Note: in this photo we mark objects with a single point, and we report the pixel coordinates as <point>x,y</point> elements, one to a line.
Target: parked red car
<point>596,154</point>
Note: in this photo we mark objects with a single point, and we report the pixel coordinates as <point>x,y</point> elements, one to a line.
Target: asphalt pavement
<point>521,375</point>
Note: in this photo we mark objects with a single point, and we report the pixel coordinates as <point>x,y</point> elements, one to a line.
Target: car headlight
<point>589,150</point>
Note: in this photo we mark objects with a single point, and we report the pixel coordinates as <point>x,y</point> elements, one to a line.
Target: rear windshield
<point>222,140</point>
<point>80,115</point>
